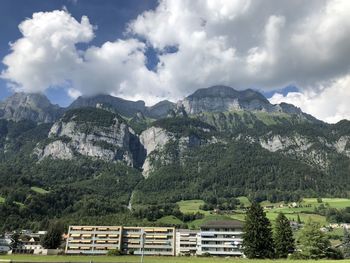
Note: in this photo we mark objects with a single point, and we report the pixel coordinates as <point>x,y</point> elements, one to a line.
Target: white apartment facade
<point>221,238</point>
<point>98,240</point>
<point>186,242</point>
<point>93,239</point>
<point>217,238</point>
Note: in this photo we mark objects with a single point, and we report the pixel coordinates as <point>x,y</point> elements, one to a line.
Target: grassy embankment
<point>148,259</point>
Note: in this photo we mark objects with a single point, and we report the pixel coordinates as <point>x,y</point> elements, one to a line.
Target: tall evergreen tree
<point>346,244</point>
<point>313,243</point>
<point>53,238</point>
<point>257,237</point>
<point>283,237</point>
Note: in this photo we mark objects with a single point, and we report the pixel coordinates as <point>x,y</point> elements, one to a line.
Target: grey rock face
<point>160,110</point>
<point>124,107</point>
<point>113,143</point>
<point>222,98</point>
<point>35,107</point>
<point>155,139</point>
<point>152,139</point>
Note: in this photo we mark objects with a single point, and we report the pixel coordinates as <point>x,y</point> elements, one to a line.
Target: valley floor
<point>148,259</point>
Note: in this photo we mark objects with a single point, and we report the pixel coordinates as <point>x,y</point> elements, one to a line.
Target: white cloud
<point>266,44</point>
<point>46,53</point>
<point>329,103</point>
<point>47,56</point>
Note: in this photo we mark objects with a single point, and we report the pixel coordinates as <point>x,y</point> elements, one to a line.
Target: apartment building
<point>186,242</point>
<point>100,239</point>
<point>157,240</point>
<point>221,238</point>
<point>93,239</point>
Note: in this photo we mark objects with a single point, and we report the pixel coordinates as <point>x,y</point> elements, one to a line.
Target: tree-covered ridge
<point>82,188</point>
<point>185,126</point>
<point>98,117</point>
<point>235,169</point>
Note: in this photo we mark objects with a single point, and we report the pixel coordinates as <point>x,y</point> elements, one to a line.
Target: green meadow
<point>305,212</point>
<point>39,190</point>
<point>147,259</point>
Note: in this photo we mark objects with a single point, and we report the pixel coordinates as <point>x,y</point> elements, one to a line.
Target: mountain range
<point>37,107</point>
<point>103,154</point>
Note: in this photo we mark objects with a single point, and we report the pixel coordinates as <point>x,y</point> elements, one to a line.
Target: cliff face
<point>126,108</point>
<point>109,140</point>
<point>35,107</point>
<point>165,146</point>
<point>217,114</point>
<point>224,99</point>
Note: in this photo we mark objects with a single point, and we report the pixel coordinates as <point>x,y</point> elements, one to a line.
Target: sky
<point>292,51</point>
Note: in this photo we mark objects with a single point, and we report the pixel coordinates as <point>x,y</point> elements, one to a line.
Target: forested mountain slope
<point>216,143</point>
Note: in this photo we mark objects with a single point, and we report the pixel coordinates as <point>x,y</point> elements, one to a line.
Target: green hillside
<point>222,167</point>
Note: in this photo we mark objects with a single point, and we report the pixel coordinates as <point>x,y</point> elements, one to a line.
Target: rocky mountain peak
<point>215,91</point>
<point>124,107</point>
<point>223,98</point>
<point>30,106</point>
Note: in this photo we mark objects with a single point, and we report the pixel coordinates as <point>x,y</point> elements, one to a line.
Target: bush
<point>114,252</point>
<point>296,256</point>
<point>205,255</point>
<point>334,253</point>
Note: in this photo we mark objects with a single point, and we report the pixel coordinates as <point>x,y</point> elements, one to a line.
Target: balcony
<point>212,233</point>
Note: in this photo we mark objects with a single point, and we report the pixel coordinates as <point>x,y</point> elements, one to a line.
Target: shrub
<point>114,252</point>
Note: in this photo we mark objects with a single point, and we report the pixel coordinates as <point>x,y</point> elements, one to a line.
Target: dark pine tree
<point>257,237</point>
<point>346,243</point>
<point>53,237</point>
<point>283,237</point>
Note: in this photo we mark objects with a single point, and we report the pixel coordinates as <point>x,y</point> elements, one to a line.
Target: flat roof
<point>223,223</point>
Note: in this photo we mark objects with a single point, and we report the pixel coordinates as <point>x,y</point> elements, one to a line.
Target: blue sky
<point>292,51</point>
<point>108,15</point>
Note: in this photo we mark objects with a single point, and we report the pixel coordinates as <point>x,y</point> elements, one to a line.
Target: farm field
<point>305,211</point>
<point>192,206</point>
<point>148,259</point>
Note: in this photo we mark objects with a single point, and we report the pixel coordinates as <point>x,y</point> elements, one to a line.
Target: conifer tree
<point>257,237</point>
<point>346,243</point>
<point>283,237</point>
<point>53,238</point>
<point>313,243</point>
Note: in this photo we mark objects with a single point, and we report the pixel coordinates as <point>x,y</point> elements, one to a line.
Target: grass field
<point>192,206</point>
<point>197,223</point>
<point>244,200</point>
<point>2,200</point>
<point>171,220</point>
<point>147,259</point>
<point>305,212</point>
<point>39,190</point>
<point>333,202</point>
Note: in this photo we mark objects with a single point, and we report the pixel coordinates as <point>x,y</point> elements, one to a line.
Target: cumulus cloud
<point>329,103</point>
<point>244,44</point>
<point>46,54</point>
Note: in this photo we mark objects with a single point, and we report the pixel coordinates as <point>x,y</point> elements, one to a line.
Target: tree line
<point>261,241</point>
